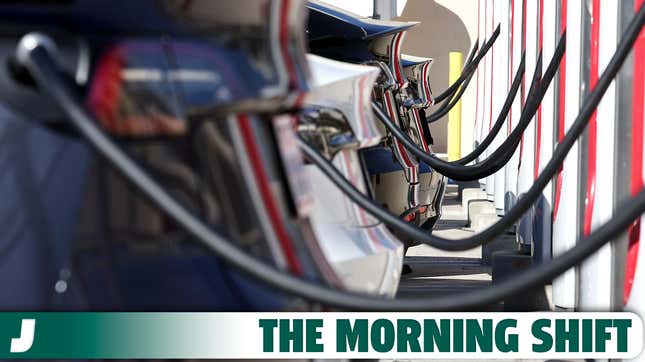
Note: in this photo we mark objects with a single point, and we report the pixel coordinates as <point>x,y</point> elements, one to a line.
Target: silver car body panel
<point>361,250</point>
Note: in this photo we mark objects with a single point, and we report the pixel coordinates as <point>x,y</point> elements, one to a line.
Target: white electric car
<point>339,121</point>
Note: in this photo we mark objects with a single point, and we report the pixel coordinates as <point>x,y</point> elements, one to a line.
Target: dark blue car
<point>177,84</point>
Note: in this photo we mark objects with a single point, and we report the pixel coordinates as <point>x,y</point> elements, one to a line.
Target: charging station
<point>500,72</point>
<point>516,44</point>
<point>564,172</point>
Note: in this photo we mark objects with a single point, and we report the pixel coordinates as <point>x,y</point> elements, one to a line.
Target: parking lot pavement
<point>437,272</point>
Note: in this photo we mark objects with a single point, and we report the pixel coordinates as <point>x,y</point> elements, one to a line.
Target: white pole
<point>510,184</point>
<point>636,255</point>
<point>502,54</point>
<point>488,84</point>
<point>527,162</point>
<point>385,9</point>
<point>566,223</point>
<point>596,273</point>
<point>479,109</point>
<point>543,220</point>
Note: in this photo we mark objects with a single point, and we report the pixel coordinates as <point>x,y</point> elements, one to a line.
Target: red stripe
<point>299,100</point>
<point>511,65</point>
<point>523,49</point>
<point>396,58</point>
<point>524,77</point>
<point>538,131</point>
<point>593,126</point>
<point>561,105</point>
<point>284,44</point>
<point>402,151</point>
<point>638,115</point>
<point>267,195</point>
<point>485,69</point>
<point>492,57</point>
<point>479,15</point>
<point>426,84</point>
<point>361,111</point>
<point>422,137</point>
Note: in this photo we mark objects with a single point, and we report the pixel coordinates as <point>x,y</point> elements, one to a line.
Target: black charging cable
<point>522,205</point>
<point>471,56</point>
<point>458,85</point>
<point>436,116</point>
<point>499,122</point>
<point>457,92</point>
<point>497,159</point>
<point>450,103</point>
<point>35,56</point>
<point>469,69</point>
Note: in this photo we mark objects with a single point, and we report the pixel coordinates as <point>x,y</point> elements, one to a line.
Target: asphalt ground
<point>438,272</point>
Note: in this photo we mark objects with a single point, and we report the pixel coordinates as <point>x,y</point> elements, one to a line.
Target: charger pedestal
<point>507,264</point>
<point>505,242</point>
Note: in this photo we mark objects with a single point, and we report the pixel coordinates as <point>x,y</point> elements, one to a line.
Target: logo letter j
<point>26,339</point>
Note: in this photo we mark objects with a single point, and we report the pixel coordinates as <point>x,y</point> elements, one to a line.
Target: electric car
<point>417,71</point>
<point>181,93</point>
<point>338,119</point>
<point>399,181</point>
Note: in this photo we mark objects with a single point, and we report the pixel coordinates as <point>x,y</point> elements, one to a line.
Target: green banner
<point>108,335</point>
<point>81,335</point>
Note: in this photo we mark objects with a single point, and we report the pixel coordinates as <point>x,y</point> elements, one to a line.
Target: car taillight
<point>410,217</point>
<point>151,88</point>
